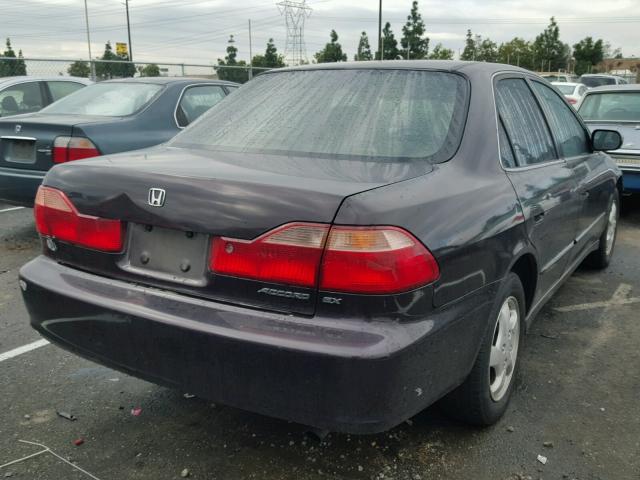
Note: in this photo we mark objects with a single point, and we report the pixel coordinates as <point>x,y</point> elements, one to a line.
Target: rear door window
<point>59,89</point>
<point>197,100</point>
<point>570,136</point>
<point>524,122</point>
<point>21,98</point>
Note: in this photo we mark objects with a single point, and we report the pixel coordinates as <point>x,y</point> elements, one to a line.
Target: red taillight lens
<point>375,260</point>
<point>290,254</point>
<point>67,149</point>
<point>370,260</point>
<point>57,217</point>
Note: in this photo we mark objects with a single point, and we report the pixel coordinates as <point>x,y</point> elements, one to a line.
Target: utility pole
<point>380,30</point>
<point>126,4</point>
<point>92,66</point>
<point>250,54</point>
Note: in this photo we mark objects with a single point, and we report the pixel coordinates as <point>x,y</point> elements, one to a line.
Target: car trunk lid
<point>206,195</point>
<point>26,141</point>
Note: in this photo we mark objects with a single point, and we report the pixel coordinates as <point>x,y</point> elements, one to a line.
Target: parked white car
<point>26,94</point>
<point>573,92</point>
<point>600,80</point>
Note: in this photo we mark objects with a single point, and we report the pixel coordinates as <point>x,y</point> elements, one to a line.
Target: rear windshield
<point>597,81</point>
<point>611,107</point>
<point>385,115</point>
<point>566,89</point>
<point>106,99</point>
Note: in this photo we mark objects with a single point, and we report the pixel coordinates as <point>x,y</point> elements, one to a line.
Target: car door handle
<point>537,212</point>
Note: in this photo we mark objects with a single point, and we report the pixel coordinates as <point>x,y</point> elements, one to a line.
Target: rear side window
<point>566,128</point>
<point>197,100</point>
<point>524,123</point>
<point>62,89</point>
<point>21,98</point>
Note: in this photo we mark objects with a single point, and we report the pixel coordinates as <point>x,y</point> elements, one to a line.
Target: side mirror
<point>606,140</point>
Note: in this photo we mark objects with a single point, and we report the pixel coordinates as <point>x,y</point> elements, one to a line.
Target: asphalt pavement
<point>576,405</point>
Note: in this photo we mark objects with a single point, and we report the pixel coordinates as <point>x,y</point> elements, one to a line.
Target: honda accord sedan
<point>107,117</point>
<point>340,246</point>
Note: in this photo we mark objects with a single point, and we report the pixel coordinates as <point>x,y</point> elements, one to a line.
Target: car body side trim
<point>14,137</point>
<point>590,227</point>
<point>557,258</point>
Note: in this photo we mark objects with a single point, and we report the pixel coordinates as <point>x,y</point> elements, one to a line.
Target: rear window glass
<point>566,89</point>
<point>597,81</point>
<point>611,107</point>
<point>373,114</point>
<point>106,99</point>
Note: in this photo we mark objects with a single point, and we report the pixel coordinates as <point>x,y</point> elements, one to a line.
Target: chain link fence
<point>107,69</point>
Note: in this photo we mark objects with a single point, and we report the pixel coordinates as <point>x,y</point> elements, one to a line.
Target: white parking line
<point>23,349</point>
<point>10,209</point>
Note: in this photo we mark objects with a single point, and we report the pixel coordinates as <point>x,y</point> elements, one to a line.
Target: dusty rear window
<point>372,114</point>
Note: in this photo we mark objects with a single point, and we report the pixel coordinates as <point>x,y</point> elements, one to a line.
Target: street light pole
<point>126,4</point>
<point>380,30</point>
<point>91,64</point>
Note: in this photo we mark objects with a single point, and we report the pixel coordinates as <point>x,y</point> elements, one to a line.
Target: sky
<point>196,31</point>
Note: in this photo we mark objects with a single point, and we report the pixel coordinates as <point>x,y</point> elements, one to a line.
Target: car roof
<point>30,78</point>
<point>168,80</point>
<point>440,65</point>
<point>604,75</point>
<point>634,87</point>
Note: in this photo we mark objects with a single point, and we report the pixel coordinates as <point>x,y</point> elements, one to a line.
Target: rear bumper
<point>340,375</point>
<point>19,186</point>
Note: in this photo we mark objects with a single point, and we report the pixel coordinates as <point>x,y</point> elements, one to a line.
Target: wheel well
<point>527,270</point>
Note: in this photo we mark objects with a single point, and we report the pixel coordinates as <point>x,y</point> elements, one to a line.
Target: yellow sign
<point>122,50</point>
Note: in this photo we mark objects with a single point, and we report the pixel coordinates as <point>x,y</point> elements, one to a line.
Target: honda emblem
<point>156,197</point>
<point>18,128</point>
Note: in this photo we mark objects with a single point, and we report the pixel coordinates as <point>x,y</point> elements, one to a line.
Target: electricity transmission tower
<point>295,13</point>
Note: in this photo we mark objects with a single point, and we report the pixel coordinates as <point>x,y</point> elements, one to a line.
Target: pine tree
<point>441,53</point>
<point>13,67</point>
<point>470,48</point>
<point>79,69</point>
<point>389,44</point>
<point>413,44</point>
<point>240,75</point>
<point>550,53</point>
<point>332,51</point>
<point>364,50</point>
<point>270,59</point>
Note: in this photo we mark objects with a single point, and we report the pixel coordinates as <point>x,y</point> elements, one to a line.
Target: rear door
<point>542,180</point>
<point>593,185</point>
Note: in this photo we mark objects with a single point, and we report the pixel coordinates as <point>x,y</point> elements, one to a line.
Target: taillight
<point>57,217</point>
<point>290,254</point>
<point>572,101</point>
<point>67,149</point>
<point>369,260</point>
<point>375,260</point>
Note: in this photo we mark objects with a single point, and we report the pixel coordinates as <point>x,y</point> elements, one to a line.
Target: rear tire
<point>484,396</point>
<point>601,257</point>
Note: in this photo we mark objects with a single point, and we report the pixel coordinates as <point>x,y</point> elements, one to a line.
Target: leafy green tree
<point>549,52</point>
<point>516,52</point>
<point>150,70</point>
<point>364,50</point>
<point>414,44</point>
<point>389,44</point>
<point>270,59</point>
<point>117,66</point>
<point>332,51</point>
<point>470,51</point>
<point>487,51</point>
<point>588,53</point>
<point>234,74</point>
<point>79,69</point>
<point>14,65</point>
<point>441,53</point>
